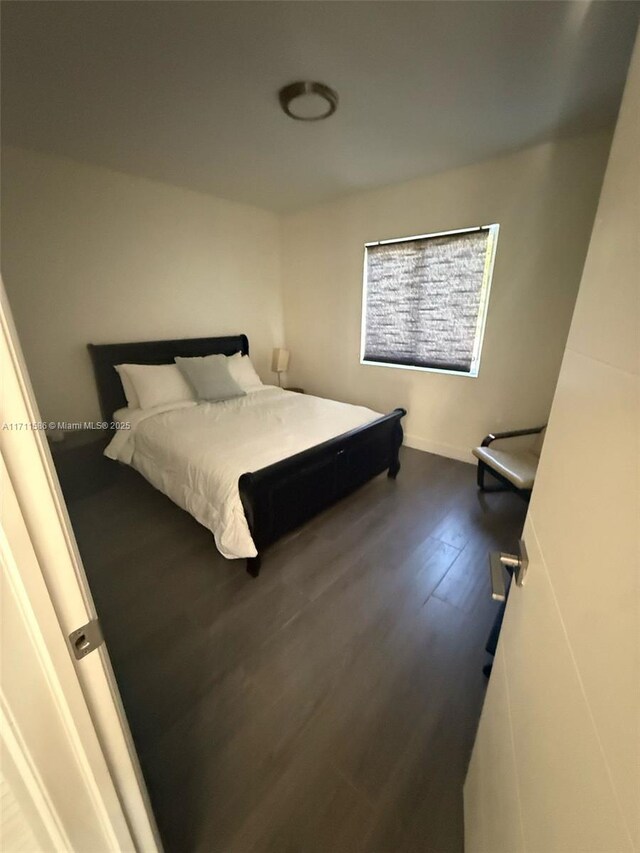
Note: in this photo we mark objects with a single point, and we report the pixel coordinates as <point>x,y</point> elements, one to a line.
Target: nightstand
<point>80,464</point>
<point>296,390</point>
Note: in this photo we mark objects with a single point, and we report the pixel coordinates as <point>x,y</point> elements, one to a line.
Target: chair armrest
<point>486,441</point>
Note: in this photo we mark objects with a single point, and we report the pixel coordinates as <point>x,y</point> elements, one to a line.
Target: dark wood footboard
<point>284,495</point>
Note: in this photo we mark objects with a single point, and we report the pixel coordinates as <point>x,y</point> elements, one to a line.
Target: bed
<point>270,498</point>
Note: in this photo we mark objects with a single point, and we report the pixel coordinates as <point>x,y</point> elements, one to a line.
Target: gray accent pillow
<point>210,378</point>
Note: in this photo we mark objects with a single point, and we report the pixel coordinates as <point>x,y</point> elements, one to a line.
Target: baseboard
<point>462,454</point>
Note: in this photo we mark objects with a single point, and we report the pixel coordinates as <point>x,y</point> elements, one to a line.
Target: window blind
<point>425,300</point>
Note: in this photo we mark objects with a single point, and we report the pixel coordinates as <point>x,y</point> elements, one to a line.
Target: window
<point>425,300</point>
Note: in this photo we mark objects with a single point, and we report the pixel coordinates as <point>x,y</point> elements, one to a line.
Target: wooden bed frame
<point>282,496</point>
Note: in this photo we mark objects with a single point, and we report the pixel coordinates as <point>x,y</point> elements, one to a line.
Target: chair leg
<point>481,470</point>
<point>502,487</point>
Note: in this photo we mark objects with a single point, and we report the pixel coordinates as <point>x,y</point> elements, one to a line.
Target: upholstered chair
<point>512,460</point>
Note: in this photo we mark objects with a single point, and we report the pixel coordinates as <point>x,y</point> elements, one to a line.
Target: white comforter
<point>195,453</point>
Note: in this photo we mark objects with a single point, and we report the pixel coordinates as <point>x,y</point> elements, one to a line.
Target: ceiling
<point>186,92</point>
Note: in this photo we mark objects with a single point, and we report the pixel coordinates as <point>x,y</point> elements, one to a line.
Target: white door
<point>556,762</point>
<point>70,774</point>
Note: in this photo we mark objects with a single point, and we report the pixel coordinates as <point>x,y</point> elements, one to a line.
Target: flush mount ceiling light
<point>308,101</point>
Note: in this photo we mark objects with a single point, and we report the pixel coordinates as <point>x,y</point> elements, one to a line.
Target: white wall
<point>95,256</point>
<point>556,763</point>
<point>544,199</point>
<point>92,255</point>
<point>16,833</point>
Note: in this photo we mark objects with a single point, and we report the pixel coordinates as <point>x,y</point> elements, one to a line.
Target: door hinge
<point>86,638</point>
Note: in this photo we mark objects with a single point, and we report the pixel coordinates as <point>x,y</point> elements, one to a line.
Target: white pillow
<point>243,371</point>
<point>158,384</point>
<point>127,386</point>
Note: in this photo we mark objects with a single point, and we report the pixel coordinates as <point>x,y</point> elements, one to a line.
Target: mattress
<point>195,453</point>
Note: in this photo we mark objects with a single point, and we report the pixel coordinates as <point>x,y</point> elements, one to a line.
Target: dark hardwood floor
<point>331,704</point>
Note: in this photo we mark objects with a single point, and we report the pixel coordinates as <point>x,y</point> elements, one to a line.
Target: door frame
<point>43,572</point>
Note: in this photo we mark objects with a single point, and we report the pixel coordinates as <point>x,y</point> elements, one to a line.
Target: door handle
<point>518,563</point>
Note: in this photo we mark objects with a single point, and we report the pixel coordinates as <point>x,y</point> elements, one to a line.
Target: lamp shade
<point>280,360</point>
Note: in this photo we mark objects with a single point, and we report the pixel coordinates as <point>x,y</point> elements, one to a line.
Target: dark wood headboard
<point>106,356</point>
